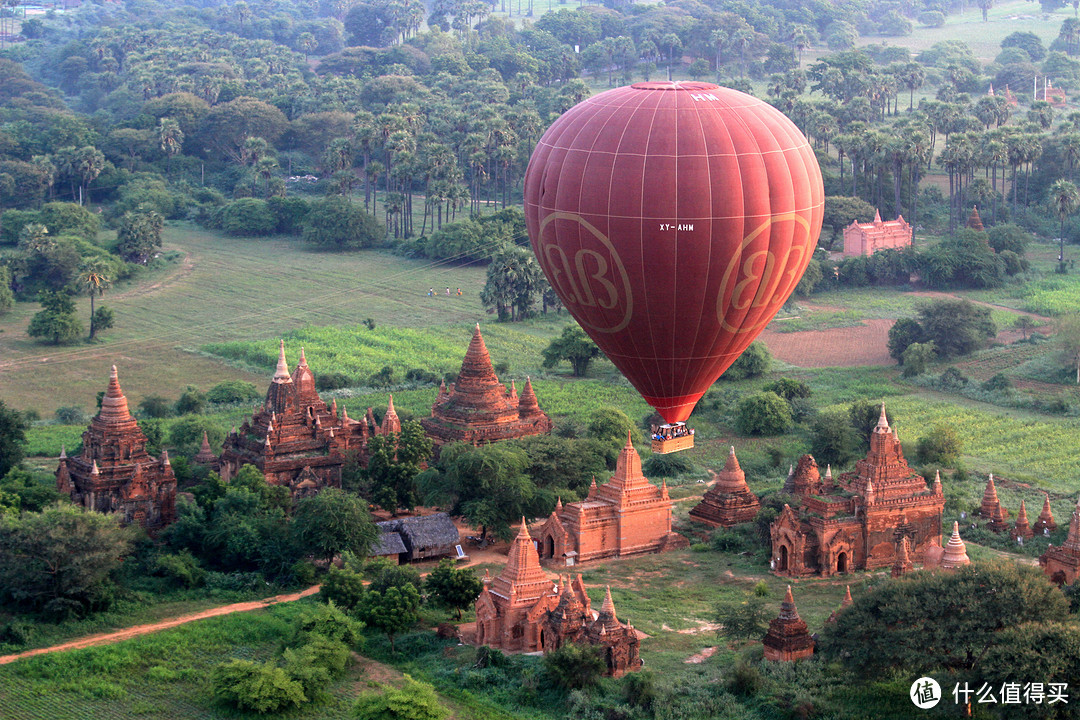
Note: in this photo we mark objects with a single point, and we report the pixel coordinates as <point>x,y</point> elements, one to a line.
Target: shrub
<point>192,401</point>
<point>789,388</point>
<point>574,666</point>
<point>413,701</point>
<point>670,465</point>
<point>344,588</point>
<point>70,415</point>
<point>232,391</point>
<point>155,406</point>
<point>754,362</point>
<point>916,357</point>
<point>998,383</point>
<point>764,413</point>
<point>260,687</point>
<point>333,381</point>
<point>952,379</point>
<point>940,447</point>
<point>932,18</point>
<point>289,214</point>
<point>337,224</point>
<point>181,567</point>
<point>247,217</point>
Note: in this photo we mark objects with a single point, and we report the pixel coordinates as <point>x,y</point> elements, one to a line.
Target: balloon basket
<point>671,438</point>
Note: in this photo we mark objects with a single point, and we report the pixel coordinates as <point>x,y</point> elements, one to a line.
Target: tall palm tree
<point>1064,199</point>
<point>171,138</point>
<point>95,278</point>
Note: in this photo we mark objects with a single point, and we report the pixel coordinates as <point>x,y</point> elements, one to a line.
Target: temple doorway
<point>549,547</point>
<point>842,562</point>
<point>782,566</point>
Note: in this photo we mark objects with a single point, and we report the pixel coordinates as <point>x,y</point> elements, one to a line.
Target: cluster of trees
<point>945,328</point>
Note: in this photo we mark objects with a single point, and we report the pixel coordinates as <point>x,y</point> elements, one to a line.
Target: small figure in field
<point>447,292</point>
<point>459,292</point>
<point>431,292</point>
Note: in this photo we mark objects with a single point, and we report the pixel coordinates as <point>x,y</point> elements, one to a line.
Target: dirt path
<point>135,631</point>
<point>186,266</point>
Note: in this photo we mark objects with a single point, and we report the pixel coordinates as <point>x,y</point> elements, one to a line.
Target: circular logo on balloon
<point>757,282</point>
<point>590,279</point>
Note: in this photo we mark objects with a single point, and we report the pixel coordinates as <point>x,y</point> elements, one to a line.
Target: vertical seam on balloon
<point>641,227</point>
<point>705,290</point>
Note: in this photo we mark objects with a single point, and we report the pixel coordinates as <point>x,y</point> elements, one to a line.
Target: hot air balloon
<point>673,220</point>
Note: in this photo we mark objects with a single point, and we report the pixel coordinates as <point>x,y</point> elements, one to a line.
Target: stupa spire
<point>955,553</point>
<point>114,406</point>
<point>281,374</point>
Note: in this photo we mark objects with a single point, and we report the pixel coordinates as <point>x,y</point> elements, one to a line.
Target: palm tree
<point>89,163</point>
<point>1064,199</point>
<point>94,276</point>
<point>171,138</point>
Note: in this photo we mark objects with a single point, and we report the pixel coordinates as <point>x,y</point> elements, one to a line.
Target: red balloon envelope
<point>673,220</point>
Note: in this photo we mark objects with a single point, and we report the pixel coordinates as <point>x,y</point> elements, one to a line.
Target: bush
<point>764,413</point>
<point>932,18</point>
<point>232,391</point>
<point>1008,237</point>
<point>574,666</point>
<point>289,214</point>
<point>998,383</point>
<point>192,402</point>
<point>260,687</point>
<point>70,415</point>
<point>181,567</point>
<point>952,379</point>
<point>754,362</point>
<point>155,406</point>
<point>413,701</point>
<point>789,388</point>
<point>670,465</point>
<point>940,447</point>
<point>916,357</point>
<point>333,381</point>
<point>337,224</point>
<point>247,217</point>
<point>344,588</point>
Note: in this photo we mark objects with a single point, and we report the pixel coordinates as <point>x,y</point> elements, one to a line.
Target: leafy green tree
<point>232,391</point>
<point>956,327</point>
<point>917,357</point>
<point>392,611</point>
<point>1049,650</point>
<point>247,217</point>
<point>412,701</point>
<point>832,439</point>
<point>331,522</point>
<point>903,333</point>
<point>336,224</point>
<point>489,485</point>
<point>754,362</point>
<point>940,621</point>
<point>186,435</point>
<point>7,297</point>
<point>31,493</point>
<point>191,402</point>
<point>574,346</point>
<point>610,425</point>
<point>13,427</point>
<point>344,588</point>
<point>574,666</point>
<point>394,462</point>
<point>742,620</point>
<point>941,446</point>
<point>139,235</point>
<point>56,320</point>
<point>514,284</point>
<point>789,388</point>
<point>764,413</point>
<point>841,211</point>
<point>60,561</point>
<point>453,588</point>
<point>103,318</point>
<point>565,465</point>
<point>155,406</point>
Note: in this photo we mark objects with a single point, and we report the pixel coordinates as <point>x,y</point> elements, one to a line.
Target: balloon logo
<point>673,220</point>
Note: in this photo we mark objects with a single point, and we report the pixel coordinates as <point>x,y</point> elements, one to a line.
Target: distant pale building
<point>868,238</point>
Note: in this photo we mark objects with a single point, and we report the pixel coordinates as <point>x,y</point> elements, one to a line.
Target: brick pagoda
<point>788,638</point>
<point>990,508</point>
<point>295,440</point>
<point>902,565</point>
<point>627,515</point>
<point>521,610</point>
<point>1021,529</point>
<point>1062,564</point>
<point>858,522</point>
<point>729,501</point>
<point>1046,518</point>
<point>479,409</point>
<point>114,473</point>
<point>955,552</point>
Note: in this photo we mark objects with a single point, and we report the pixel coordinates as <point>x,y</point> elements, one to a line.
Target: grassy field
<point>224,289</point>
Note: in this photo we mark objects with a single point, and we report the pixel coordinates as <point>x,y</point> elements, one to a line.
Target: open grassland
<point>224,289</point>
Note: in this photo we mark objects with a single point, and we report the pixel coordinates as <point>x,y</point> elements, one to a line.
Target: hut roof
<point>421,533</point>
<point>388,543</point>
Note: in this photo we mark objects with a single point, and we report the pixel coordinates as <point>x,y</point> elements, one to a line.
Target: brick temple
<point>729,501</point>
<point>788,639</point>
<point>294,439</point>
<point>868,238</point>
<point>1062,564</point>
<point>114,473</point>
<point>627,515</point>
<point>1045,524</point>
<point>522,610</point>
<point>479,409</point>
<point>857,523</point>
